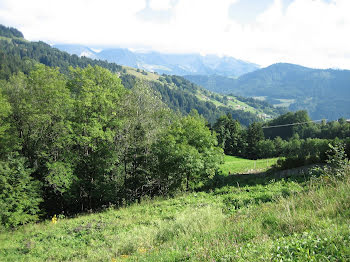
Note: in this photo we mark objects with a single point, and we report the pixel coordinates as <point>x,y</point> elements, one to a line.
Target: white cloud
<point>160,4</point>
<point>310,32</point>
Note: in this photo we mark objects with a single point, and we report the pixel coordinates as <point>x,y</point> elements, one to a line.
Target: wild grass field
<point>254,217</point>
<point>237,165</point>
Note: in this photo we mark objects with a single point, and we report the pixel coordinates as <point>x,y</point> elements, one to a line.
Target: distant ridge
<point>174,64</point>
<point>325,93</point>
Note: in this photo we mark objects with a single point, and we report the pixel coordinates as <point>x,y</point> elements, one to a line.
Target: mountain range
<point>174,64</point>
<point>325,93</point>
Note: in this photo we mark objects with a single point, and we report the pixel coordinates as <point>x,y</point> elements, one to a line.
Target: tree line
<point>303,142</point>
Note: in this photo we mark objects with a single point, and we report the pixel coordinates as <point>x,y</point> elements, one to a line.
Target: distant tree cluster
<point>302,144</point>
<point>10,32</point>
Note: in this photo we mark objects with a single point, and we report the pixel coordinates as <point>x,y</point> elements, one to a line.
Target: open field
<point>233,103</point>
<point>148,76</point>
<point>234,165</point>
<point>284,102</point>
<point>264,219</point>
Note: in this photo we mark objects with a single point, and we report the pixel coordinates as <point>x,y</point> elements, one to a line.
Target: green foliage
<point>19,55</point>
<point>286,132</point>
<point>337,162</point>
<point>254,135</point>
<point>96,123</point>
<point>60,176</point>
<point>303,144</point>
<point>10,32</point>
<point>229,134</point>
<point>5,110</point>
<point>40,104</point>
<point>92,143</point>
<point>337,158</point>
<point>147,118</point>
<point>266,148</point>
<point>180,94</point>
<point>187,153</point>
<point>19,193</point>
<point>312,247</point>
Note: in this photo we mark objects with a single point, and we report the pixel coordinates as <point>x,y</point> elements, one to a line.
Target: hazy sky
<point>313,33</point>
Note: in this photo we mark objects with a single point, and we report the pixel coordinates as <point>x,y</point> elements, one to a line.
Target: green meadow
<point>237,165</point>
<point>252,217</point>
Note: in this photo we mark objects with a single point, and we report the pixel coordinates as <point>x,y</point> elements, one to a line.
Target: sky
<point>313,33</point>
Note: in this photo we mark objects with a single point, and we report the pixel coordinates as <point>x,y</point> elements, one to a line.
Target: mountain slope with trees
<point>17,54</point>
<point>324,93</point>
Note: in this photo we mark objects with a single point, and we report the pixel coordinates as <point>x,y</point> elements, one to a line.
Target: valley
<point>323,93</point>
<point>102,161</point>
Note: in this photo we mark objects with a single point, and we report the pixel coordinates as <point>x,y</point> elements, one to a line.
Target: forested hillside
<point>181,94</point>
<point>17,54</point>
<point>324,93</point>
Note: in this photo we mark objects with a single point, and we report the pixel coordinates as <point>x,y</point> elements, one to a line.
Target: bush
<point>312,247</point>
<point>338,164</point>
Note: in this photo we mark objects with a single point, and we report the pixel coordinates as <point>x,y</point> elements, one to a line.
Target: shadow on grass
<point>298,175</point>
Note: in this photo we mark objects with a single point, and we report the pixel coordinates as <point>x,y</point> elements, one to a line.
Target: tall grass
<point>278,221</point>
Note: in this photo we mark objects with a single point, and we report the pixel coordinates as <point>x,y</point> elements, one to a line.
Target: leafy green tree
<point>146,117</point>
<point>254,134</point>
<point>19,194</point>
<point>5,110</point>
<point>41,108</point>
<point>229,135</point>
<point>287,131</point>
<point>279,144</point>
<point>187,154</point>
<point>96,123</point>
<point>266,149</point>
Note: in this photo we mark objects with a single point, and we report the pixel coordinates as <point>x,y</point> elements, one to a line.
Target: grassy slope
<point>145,76</point>
<point>233,103</point>
<point>235,165</point>
<point>263,218</point>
